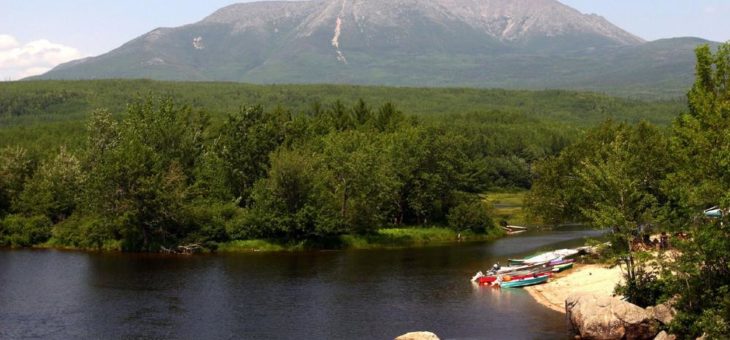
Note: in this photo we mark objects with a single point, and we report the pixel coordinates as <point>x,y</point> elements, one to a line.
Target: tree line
<point>164,174</point>
<point>641,179</point>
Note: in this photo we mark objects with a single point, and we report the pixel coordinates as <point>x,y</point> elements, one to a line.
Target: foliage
<point>624,177</point>
<point>86,232</point>
<point>611,178</point>
<point>291,203</point>
<point>16,167</point>
<point>615,185</point>
<point>245,142</point>
<point>700,140</point>
<point>645,286</point>
<point>471,214</point>
<point>53,191</point>
<point>702,279</point>
<point>145,173</point>
<point>508,207</point>
<point>163,174</point>
<point>22,231</point>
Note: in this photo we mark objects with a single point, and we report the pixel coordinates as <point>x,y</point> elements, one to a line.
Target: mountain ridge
<point>529,44</point>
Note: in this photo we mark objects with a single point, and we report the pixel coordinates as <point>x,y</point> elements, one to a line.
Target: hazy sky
<point>36,35</point>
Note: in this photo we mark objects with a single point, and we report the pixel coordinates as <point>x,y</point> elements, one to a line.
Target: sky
<point>36,35</point>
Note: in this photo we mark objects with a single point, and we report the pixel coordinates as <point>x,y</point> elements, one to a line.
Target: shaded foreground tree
<point>702,144</point>
<point>636,176</point>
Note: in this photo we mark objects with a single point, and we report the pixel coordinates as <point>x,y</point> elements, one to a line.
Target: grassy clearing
<point>255,245</point>
<point>508,206</point>
<point>399,237</point>
<point>413,237</point>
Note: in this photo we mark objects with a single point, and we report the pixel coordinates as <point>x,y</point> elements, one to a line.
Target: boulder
<point>418,336</point>
<point>664,312</point>
<point>664,336</point>
<point>602,317</point>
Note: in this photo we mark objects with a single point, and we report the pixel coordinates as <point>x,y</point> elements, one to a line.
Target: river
<point>364,294</point>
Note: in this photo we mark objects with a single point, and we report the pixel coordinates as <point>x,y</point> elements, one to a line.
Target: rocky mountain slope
<point>484,43</point>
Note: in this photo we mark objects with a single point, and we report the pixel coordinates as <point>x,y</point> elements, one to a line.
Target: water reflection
<point>374,294</point>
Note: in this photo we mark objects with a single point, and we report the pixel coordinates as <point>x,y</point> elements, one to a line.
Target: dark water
<point>375,294</point>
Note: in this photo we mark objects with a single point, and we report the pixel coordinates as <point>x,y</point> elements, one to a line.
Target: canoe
<point>513,276</point>
<point>518,268</point>
<point>560,262</point>
<point>545,257</point>
<point>561,267</point>
<point>525,282</point>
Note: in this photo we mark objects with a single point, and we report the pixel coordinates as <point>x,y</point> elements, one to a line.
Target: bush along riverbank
<point>383,239</point>
<point>390,238</point>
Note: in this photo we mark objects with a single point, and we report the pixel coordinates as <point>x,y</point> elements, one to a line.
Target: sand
<point>591,278</point>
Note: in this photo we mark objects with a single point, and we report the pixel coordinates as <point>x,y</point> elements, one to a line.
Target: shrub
<point>471,215</point>
<point>21,231</point>
<point>89,232</point>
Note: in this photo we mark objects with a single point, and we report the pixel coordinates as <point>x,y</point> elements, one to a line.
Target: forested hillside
<point>138,165</point>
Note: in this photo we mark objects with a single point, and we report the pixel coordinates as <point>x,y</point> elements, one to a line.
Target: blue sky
<point>37,34</point>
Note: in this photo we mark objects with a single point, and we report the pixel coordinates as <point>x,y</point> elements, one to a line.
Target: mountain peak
<point>507,20</point>
<point>492,43</point>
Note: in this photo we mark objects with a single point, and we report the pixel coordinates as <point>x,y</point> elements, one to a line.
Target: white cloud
<point>36,57</point>
<point>7,42</point>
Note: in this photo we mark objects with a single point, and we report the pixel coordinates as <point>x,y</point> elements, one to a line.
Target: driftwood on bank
<point>189,249</point>
<point>513,229</point>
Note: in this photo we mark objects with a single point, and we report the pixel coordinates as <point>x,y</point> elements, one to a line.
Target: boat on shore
<point>528,281</point>
<point>543,264</point>
<point>513,229</point>
<point>546,257</point>
<point>550,267</point>
<point>563,267</point>
<point>490,279</point>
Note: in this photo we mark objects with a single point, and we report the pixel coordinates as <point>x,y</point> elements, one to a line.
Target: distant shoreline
<point>389,238</point>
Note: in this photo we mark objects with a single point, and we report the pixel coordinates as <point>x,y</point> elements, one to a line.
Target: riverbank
<point>383,239</point>
<point>591,278</point>
<point>387,238</point>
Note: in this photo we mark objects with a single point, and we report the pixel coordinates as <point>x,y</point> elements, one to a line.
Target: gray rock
<point>603,317</point>
<point>418,336</point>
<point>664,336</point>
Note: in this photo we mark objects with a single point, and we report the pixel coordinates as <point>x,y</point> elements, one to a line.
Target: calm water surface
<point>375,294</point>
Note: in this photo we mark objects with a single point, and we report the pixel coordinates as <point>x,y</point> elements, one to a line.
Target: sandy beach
<point>591,278</point>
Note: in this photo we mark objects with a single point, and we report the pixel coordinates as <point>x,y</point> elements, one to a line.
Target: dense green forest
<point>162,173</point>
<point>45,114</point>
<point>138,165</point>
<point>640,179</point>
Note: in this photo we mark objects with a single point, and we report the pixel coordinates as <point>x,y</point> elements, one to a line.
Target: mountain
<point>483,43</point>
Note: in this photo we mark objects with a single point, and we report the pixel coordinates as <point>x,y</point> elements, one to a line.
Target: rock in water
<point>418,336</point>
<point>602,317</point>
